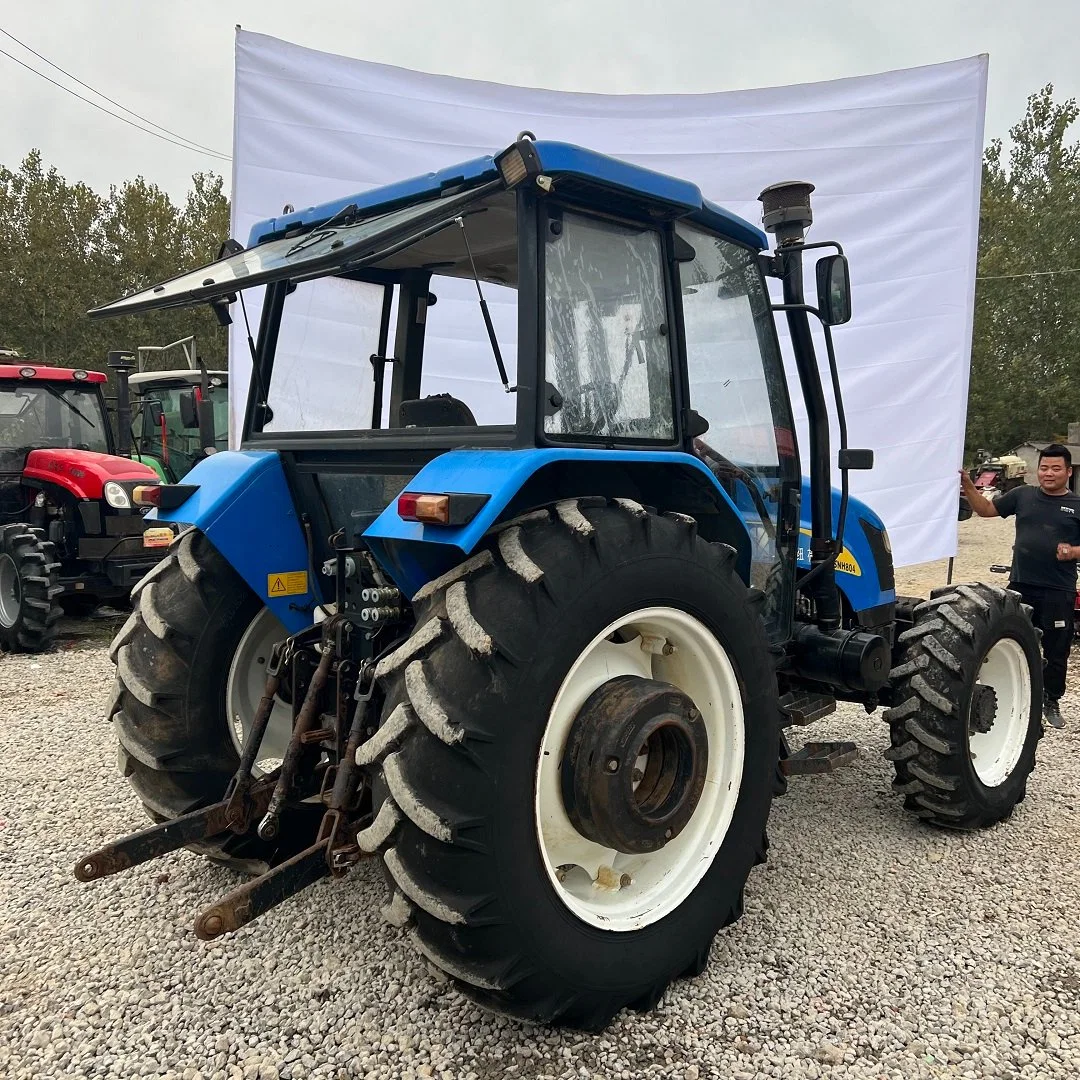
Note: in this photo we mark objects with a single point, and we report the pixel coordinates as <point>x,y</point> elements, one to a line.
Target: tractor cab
<point>62,482</point>
<point>516,580</point>
<point>588,310</point>
<point>165,428</point>
<point>49,408</point>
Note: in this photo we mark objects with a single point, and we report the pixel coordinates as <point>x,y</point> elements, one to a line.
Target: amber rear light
<point>429,509</point>
<point>163,496</point>
<point>441,509</point>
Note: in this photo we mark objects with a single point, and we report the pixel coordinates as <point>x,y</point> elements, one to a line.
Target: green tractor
<point>540,661</point>
<point>171,418</point>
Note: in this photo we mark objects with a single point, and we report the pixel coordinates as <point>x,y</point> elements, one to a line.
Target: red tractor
<point>69,529</point>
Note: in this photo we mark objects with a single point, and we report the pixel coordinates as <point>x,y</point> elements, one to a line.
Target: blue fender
<point>413,553</point>
<point>245,508</point>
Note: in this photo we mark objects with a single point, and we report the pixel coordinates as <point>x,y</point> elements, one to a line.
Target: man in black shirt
<point>1044,559</point>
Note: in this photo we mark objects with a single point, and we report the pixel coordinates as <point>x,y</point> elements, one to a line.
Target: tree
<point>1026,343</point>
<point>67,249</point>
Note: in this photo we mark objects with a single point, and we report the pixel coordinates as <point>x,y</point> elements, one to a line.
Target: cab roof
<point>44,373</point>
<point>557,159</point>
<point>174,375</point>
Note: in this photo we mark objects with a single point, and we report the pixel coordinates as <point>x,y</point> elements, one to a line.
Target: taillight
<point>444,509</point>
<point>430,509</point>
<point>163,496</point>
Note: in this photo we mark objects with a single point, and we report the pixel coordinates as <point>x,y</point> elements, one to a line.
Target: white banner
<point>897,163</point>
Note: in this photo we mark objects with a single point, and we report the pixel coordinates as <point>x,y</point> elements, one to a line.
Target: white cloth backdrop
<point>895,157</point>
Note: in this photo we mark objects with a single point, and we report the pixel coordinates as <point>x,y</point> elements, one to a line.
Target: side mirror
<point>155,412</point>
<point>834,290</point>
<point>189,410</point>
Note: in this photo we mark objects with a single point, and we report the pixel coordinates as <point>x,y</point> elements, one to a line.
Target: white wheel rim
<point>10,592</point>
<point>994,753</point>
<point>623,892</point>
<point>244,689</point>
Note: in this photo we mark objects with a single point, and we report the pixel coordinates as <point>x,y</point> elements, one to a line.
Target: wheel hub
<point>983,712</point>
<point>635,764</point>
<point>10,592</point>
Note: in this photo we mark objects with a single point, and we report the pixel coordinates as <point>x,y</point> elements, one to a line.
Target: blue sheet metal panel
<point>245,508</point>
<point>556,158</point>
<point>476,171</point>
<point>405,547</point>
<point>715,218</point>
<point>856,571</point>
<point>564,158</point>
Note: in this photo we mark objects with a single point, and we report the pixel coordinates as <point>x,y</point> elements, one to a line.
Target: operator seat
<point>435,410</point>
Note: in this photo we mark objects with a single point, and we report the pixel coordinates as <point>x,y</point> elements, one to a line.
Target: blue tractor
<point>541,663</point>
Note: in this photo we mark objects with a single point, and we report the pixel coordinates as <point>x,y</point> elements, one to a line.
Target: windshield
<point>403,343</point>
<point>737,386</point>
<point>181,447</point>
<point>37,414</point>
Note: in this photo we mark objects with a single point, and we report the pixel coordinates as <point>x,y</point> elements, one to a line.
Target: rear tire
<point>472,700</point>
<point>29,588</point>
<point>173,657</point>
<point>963,753</point>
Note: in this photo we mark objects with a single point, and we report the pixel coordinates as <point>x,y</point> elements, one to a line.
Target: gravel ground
<point>871,945</point>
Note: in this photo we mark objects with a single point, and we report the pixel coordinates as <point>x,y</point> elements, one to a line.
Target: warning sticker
<point>291,583</point>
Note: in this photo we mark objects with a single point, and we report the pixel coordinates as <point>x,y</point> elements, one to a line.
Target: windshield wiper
<point>342,218</point>
<point>59,395</point>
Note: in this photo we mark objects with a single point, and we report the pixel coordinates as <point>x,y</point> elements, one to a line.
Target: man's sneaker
<point>1052,714</point>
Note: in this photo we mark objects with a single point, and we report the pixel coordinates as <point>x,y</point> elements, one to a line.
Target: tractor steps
<point>819,757</point>
<point>802,708</point>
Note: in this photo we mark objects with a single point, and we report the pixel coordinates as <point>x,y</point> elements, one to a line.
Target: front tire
<point>969,707</point>
<point>29,587</point>
<point>496,885</point>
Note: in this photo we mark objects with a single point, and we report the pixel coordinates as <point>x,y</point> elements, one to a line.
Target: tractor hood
<point>83,472</point>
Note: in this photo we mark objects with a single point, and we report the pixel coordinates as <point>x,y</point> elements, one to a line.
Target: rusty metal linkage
<point>160,839</point>
<point>257,896</point>
<point>342,852</point>
<point>268,827</point>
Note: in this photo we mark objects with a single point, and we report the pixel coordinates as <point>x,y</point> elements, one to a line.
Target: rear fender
<point>518,480</point>
<point>245,508</point>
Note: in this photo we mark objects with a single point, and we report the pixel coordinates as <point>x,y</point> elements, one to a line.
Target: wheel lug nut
<point>625,880</point>
<point>694,714</point>
<point>669,834</point>
<point>612,764</point>
<point>638,776</point>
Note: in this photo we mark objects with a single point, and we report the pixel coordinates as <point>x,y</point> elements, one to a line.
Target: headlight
<point>116,496</point>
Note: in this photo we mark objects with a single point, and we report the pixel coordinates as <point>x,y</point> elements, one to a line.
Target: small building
<point>1029,451</point>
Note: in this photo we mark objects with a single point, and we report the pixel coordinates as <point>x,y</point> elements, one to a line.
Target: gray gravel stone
<point>871,947</point>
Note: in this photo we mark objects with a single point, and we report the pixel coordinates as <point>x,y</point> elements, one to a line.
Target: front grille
<point>875,537</point>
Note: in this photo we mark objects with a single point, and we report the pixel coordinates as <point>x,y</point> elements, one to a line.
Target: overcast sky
<point>173,63</point>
